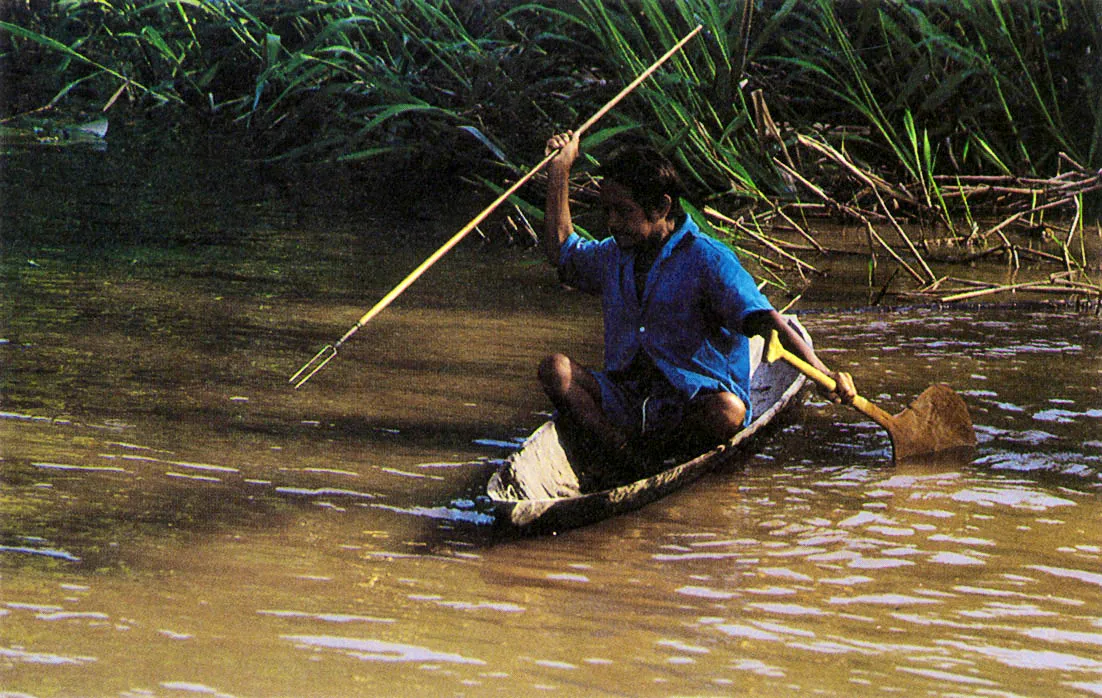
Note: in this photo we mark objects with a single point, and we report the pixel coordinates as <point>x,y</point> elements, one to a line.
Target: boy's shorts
<point>641,407</point>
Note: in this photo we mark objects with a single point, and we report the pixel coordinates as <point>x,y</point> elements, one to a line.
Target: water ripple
<point>887,599</point>
<point>1063,636</point>
<point>324,492</point>
<point>947,676</point>
<point>193,687</point>
<point>950,558</point>
<point>1014,497</point>
<point>1080,575</point>
<point>17,654</point>
<point>1065,463</point>
<point>705,593</point>
<point>1065,416</point>
<point>46,552</point>
<point>325,617</point>
<point>1028,658</point>
<point>377,650</point>
<point>443,513</point>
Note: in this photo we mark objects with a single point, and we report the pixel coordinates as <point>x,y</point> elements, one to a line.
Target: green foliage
<point>1008,74</point>
<point>940,86</point>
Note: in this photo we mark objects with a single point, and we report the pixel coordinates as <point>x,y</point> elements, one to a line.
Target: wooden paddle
<point>936,421</point>
<point>329,351</point>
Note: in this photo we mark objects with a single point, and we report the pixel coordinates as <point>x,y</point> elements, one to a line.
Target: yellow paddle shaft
<point>776,350</point>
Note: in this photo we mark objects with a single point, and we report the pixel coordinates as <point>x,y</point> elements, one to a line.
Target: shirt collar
<point>688,227</point>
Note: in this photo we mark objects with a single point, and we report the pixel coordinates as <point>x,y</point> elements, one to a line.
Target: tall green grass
<point>973,86</point>
<point>908,89</point>
<point>994,85</point>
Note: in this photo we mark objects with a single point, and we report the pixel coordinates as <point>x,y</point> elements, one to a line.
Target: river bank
<point>114,191</point>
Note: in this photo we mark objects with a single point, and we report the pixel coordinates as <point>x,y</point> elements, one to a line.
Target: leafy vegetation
<point>994,86</point>
<point>873,110</point>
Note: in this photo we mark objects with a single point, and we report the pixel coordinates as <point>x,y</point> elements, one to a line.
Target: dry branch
<point>800,264</point>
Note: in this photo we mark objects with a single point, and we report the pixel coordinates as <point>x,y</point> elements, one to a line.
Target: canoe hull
<point>536,490</point>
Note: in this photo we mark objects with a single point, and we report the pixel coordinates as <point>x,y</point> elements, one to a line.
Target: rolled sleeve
<point>582,263</point>
<point>735,296</point>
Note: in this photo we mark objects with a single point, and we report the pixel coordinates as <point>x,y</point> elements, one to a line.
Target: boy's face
<point>628,223</point>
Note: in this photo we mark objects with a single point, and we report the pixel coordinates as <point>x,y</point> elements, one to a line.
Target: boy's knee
<point>554,373</point>
<point>719,415</point>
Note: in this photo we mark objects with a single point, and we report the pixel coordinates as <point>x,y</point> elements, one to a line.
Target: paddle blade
<point>936,421</point>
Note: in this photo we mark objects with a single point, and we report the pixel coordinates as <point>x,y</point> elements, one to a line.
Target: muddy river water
<point>177,521</point>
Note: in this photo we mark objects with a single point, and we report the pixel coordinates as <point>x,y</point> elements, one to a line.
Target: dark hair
<point>648,175</point>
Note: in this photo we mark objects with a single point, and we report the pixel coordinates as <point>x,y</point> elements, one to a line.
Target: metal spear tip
<point>313,366</point>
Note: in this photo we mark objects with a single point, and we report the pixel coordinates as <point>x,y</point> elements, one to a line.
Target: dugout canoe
<point>537,490</point>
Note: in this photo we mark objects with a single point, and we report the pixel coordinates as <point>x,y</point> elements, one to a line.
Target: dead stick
<point>830,201</point>
<point>1069,290</point>
<point>971,282</point>
<point>859,216</point>
<point>868,178</point>
<point>877,184</point>
<point>1036,286</point>
<point>1066,158</point>
<point>1071,230</point>
<point>767,128</point>
<point>875,235</point>
<point>800,229</point>
<point>763,260</point>
<point>749,231</point>
<point>1002,225</point>
<point>1019,214</point>
<point>972,256</point>
<point>1039,254</point>
<point>1013,253</point>
<point>933,286</point>
<point>907,240</point>
<point>990,291</point>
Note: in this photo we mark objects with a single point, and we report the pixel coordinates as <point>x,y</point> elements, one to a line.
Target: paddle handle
<point>776,350</point>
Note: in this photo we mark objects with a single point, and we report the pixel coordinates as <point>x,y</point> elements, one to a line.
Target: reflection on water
<point>177,521</point>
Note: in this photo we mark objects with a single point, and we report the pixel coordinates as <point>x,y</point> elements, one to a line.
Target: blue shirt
<point>690,318</point>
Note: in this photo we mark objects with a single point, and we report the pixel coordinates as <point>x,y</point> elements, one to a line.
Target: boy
<point>678,308</point>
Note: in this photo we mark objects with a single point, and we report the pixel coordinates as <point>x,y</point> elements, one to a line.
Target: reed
<point>909,92</point>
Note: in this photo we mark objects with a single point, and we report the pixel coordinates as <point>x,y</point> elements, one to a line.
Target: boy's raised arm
<point>557,224</point>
